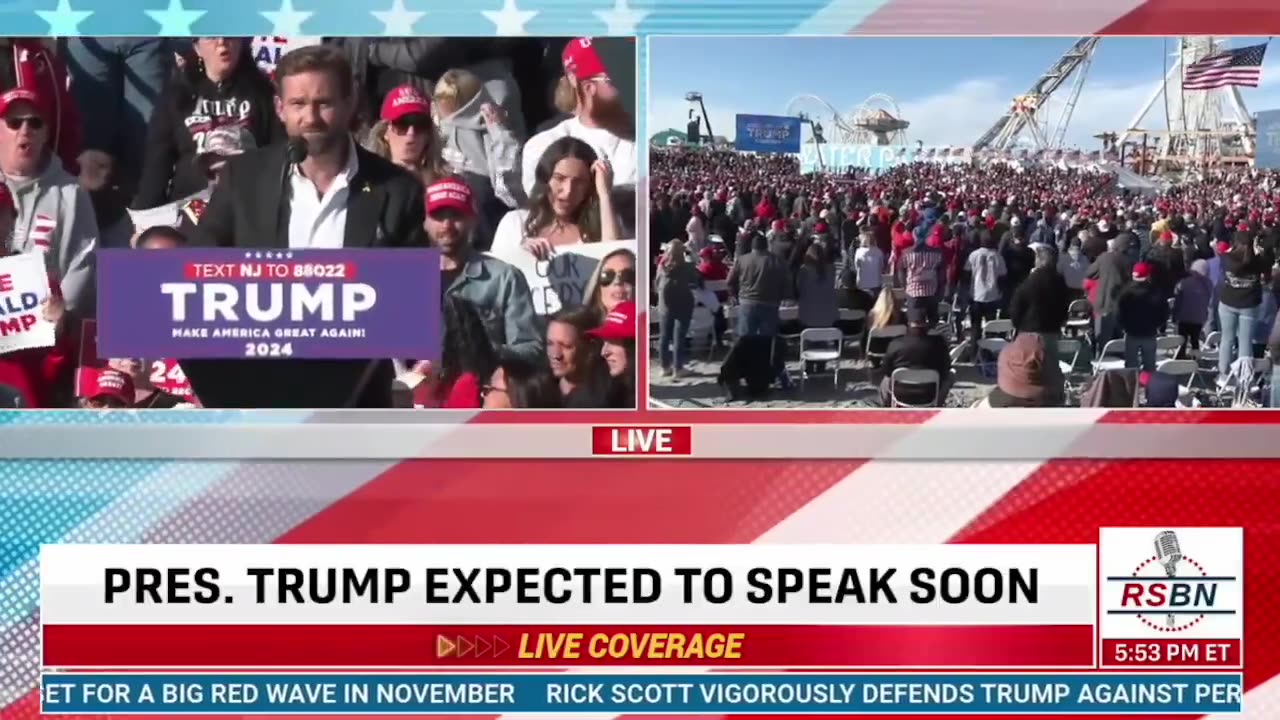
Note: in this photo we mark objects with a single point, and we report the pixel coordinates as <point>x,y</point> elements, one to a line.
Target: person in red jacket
<point>33,374</point>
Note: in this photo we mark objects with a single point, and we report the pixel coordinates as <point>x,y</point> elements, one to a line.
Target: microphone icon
<point>1169,554</point>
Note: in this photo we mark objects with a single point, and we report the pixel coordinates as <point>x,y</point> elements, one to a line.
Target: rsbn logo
<point>1170,591</point>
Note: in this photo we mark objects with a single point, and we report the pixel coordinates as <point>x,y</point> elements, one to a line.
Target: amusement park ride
<point>1198,127</point>
<point>877,121</point>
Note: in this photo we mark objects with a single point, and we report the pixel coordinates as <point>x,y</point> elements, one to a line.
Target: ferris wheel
<point>820,117</point>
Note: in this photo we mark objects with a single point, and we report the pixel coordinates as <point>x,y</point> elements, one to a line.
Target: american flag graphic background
<point>575,501</point>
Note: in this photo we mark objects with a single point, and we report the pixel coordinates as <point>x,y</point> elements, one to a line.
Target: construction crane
<point>1026,110</point>
<point>694,98</point>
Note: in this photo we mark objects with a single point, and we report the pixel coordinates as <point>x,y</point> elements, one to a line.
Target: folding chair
<point>888,332</point>
<point>1079,317</point>
<point>1112,357</point>
<point>702,328</point>
<point>944,313</point>
<point>1073,347</point>
<point>1000,328</point>
<point>1167,346</point>
<point>992,346</point>
<point>1180,369</point>
<point>830,348</point>
<point>1250,376</point>
<point>915,377</point>
<point>853,323</point>
<point>1209,349</point>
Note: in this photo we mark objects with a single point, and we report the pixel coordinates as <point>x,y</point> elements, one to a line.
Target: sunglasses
<point>626,277</point>
<point>490,389</point>
<point>421,123</point>
<point>16,123</point>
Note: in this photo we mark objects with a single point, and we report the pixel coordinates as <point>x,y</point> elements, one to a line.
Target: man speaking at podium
<point>317,191</point>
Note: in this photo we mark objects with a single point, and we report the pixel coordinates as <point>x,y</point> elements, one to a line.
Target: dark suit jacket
<point>248,209</point>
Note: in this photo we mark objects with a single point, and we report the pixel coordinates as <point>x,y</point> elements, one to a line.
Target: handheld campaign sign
<point>267,51</point>
<point>230,303</point>
<point>24,286</point>
<point>562,281</point>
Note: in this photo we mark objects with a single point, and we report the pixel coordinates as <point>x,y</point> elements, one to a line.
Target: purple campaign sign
<point>307,304</point>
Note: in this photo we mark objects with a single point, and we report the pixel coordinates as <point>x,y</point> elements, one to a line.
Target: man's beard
<point>612,116</point>
<point>325,143</point>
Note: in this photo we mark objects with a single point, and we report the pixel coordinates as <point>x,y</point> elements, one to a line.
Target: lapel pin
<point>364,188</point>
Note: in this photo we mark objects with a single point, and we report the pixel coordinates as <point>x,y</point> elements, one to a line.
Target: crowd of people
<point>483,148</point>
<point>921,258</point>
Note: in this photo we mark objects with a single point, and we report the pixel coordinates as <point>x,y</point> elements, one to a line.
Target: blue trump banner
<point>617,694</point>
<point>767,133</point>
<point>305,304</point>
<point>1267,155</point>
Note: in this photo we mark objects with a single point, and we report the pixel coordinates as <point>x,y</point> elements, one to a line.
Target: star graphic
<point>622,19</point>
<point>399,20</point>
<point>510,20</point>
<point>286,21</point>
<point>63,21</point>
<point>175,20</point>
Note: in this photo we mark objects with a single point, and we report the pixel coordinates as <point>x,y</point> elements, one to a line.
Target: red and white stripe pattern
<point>42,231</point>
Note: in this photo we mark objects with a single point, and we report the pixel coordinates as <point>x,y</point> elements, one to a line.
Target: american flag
<point>1242,66</point>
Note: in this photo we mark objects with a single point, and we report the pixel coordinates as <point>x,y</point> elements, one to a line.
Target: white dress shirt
<point>317,221</point>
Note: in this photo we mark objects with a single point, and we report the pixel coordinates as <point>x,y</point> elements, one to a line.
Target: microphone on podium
<point>1169,554</point>
<point>294,153</point>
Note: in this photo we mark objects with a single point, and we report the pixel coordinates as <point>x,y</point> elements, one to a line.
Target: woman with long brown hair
<point>570,204</point>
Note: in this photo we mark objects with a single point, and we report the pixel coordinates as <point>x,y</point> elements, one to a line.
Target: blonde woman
<point>613,283</point>
<point>883,314</point>
<point>476,139</point>
<point>677,277</point>
<point>406,135</point>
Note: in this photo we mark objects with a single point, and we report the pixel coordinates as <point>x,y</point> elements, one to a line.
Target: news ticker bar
<point>964,435</point>
<point>415,646</point>
<point>562,694</point>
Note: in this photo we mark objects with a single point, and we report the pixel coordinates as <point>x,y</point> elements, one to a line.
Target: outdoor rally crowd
<point>495,147</point>
<point>1037,273</point>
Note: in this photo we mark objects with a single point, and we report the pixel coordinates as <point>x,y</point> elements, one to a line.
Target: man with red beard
<point>600,120</point>
<point>498,290</point>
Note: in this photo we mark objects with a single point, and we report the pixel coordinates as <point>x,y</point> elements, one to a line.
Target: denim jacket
<point>501,295</point>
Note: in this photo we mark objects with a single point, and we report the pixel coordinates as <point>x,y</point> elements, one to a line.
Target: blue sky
<point>950,89</point>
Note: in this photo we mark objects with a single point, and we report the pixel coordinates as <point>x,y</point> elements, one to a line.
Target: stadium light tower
<point>694,96</point>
